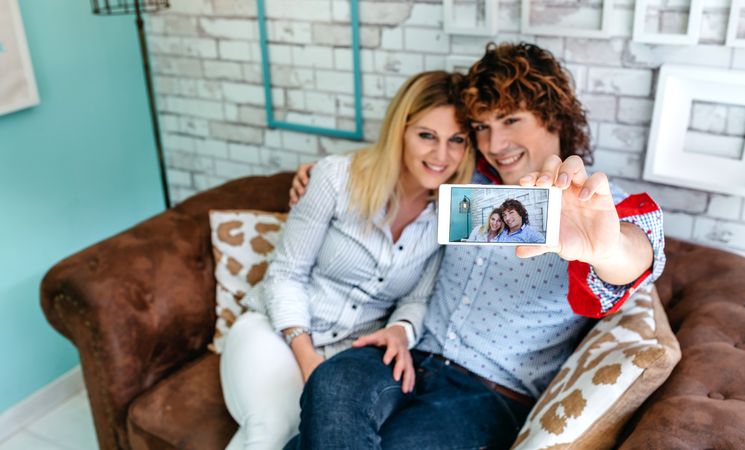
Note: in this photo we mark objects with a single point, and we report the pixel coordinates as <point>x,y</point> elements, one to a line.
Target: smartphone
<point>476,214</point>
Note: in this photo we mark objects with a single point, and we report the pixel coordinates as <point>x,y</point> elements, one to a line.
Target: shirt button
<point>400,247</point>
<point>354,306</point>
<point>451,335</point>
<point>334,334</point>
<point>466,300</point>
<point>380,279</point>
<point>479,261</point>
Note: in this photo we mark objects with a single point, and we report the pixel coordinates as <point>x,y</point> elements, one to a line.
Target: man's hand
<point>397,346</point>
<point>590,230</point>
<point>300,182</point>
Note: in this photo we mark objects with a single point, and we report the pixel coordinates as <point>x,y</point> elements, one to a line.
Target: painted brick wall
<point>208,76</point>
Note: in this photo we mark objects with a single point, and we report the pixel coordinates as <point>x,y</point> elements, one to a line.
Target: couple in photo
<point>508,223</point>
<point>379,337</point>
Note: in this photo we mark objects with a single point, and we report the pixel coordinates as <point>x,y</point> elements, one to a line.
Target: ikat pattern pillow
<point>242,243</point>
<point>622,361</point>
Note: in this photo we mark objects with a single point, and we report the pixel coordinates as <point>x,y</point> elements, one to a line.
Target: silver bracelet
<point>297,331</point>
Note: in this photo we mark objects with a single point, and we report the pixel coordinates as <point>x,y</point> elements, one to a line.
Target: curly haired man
<point>499,326</point>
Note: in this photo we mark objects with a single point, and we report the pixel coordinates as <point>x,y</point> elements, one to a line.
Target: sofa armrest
<point>136,306</point>
<point>702,404</point>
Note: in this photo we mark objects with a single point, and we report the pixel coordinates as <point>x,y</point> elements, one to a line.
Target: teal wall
<point>73,170</point>
<point>459,225</point>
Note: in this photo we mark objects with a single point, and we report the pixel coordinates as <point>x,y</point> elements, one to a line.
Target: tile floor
<point>69,426</point>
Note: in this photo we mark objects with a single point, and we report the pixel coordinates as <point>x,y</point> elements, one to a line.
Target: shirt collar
<point>522,227</point>
<point>486,169</point>
<point>427,213</point>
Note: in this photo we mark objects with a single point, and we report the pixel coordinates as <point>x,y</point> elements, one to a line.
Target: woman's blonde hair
<point>485,227</point>
<point>375,170</point>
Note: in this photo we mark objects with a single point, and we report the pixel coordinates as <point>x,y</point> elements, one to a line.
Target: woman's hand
<point>397,346</point>
<point>309,363</point>
<point>305,353</point>
<point>300,182</point>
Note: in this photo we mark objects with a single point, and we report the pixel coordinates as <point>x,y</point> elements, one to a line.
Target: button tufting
<point>716,396</point>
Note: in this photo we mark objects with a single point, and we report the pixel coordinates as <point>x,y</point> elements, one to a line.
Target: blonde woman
<point>489,231</point>
<point>356,263</point>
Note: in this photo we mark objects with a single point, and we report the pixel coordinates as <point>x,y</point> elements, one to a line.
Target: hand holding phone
<point>590,229</point>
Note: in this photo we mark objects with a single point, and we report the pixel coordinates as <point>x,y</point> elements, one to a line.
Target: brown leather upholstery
<point>140,308</point>
<point>184,411</point>
<point>141,304</point>
<point>702,404</point>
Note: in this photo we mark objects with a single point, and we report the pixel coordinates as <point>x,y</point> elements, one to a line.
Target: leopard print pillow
<point>622,361</point>
<point>242,242</point>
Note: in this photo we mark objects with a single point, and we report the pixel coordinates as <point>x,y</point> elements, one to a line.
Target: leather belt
<point>492,386</point>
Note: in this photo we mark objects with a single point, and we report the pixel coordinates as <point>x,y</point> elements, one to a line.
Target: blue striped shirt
<point>526,234</point>
<point>341,277</point>
<point>515,321</point>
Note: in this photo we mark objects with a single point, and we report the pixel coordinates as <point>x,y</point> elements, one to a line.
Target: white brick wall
<point>207,64</point>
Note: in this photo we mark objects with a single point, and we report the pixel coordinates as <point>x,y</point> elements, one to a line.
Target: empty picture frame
<point>690,37</point>
<point>667,160</point>
<point>470,17</point>
<point>733,24</point>
<point>357,133</point>
<point>17,82</point>
<point>460,64</point>
<point>570,30</point>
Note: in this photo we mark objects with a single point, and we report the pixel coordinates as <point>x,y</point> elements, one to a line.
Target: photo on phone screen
<point>511,215</point>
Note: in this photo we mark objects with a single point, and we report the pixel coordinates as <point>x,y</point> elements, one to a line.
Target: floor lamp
<point>138,8</point>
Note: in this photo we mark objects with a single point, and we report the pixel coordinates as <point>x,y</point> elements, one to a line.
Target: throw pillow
<point>622,361</point>
<point>242,242</point>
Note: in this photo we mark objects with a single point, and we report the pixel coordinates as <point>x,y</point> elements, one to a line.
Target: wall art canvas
<point>17,82</point>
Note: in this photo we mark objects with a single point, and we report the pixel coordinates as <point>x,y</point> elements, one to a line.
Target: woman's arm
<point>409,310</point>
<point>413,306</point>
<point>289,273</point>
<point>475,233</point>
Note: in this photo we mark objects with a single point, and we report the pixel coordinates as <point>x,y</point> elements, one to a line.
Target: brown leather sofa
<point>140,307</point>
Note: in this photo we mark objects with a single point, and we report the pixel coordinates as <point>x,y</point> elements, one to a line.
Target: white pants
<point>262,383</point>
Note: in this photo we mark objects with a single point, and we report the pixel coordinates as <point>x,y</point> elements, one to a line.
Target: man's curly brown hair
<point>512,77</point>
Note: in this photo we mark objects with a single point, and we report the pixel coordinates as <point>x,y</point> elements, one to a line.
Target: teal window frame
<point>272,122</point>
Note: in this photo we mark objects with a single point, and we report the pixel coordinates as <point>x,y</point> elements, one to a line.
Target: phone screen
<point>498,215</point>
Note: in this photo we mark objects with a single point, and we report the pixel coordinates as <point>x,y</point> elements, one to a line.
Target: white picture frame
<point>691,36</point>
<point>732,24</point>
<point>17,82</point>
<point>489,27</point>
<point>460,64</point>
<point>553,30</point>
<point>666,160</point>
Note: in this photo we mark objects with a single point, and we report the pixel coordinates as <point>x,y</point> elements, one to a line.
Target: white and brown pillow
<point>621,362</point>
<point>242,242</point>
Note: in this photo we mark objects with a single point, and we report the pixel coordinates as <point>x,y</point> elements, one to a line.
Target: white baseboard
<point>40,402</point>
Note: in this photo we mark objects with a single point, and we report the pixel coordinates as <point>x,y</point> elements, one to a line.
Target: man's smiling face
<point>513,219</point>
<point>514,144</point>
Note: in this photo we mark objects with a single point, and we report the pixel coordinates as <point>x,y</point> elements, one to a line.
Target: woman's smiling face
<point>495,222</point>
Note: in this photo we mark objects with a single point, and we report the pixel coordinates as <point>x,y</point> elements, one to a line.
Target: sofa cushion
<point>621,361</point>
<point>242,243</point>
<point>185,410</point>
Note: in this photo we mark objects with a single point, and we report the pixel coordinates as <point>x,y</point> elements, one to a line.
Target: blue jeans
<point>352,401</point>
